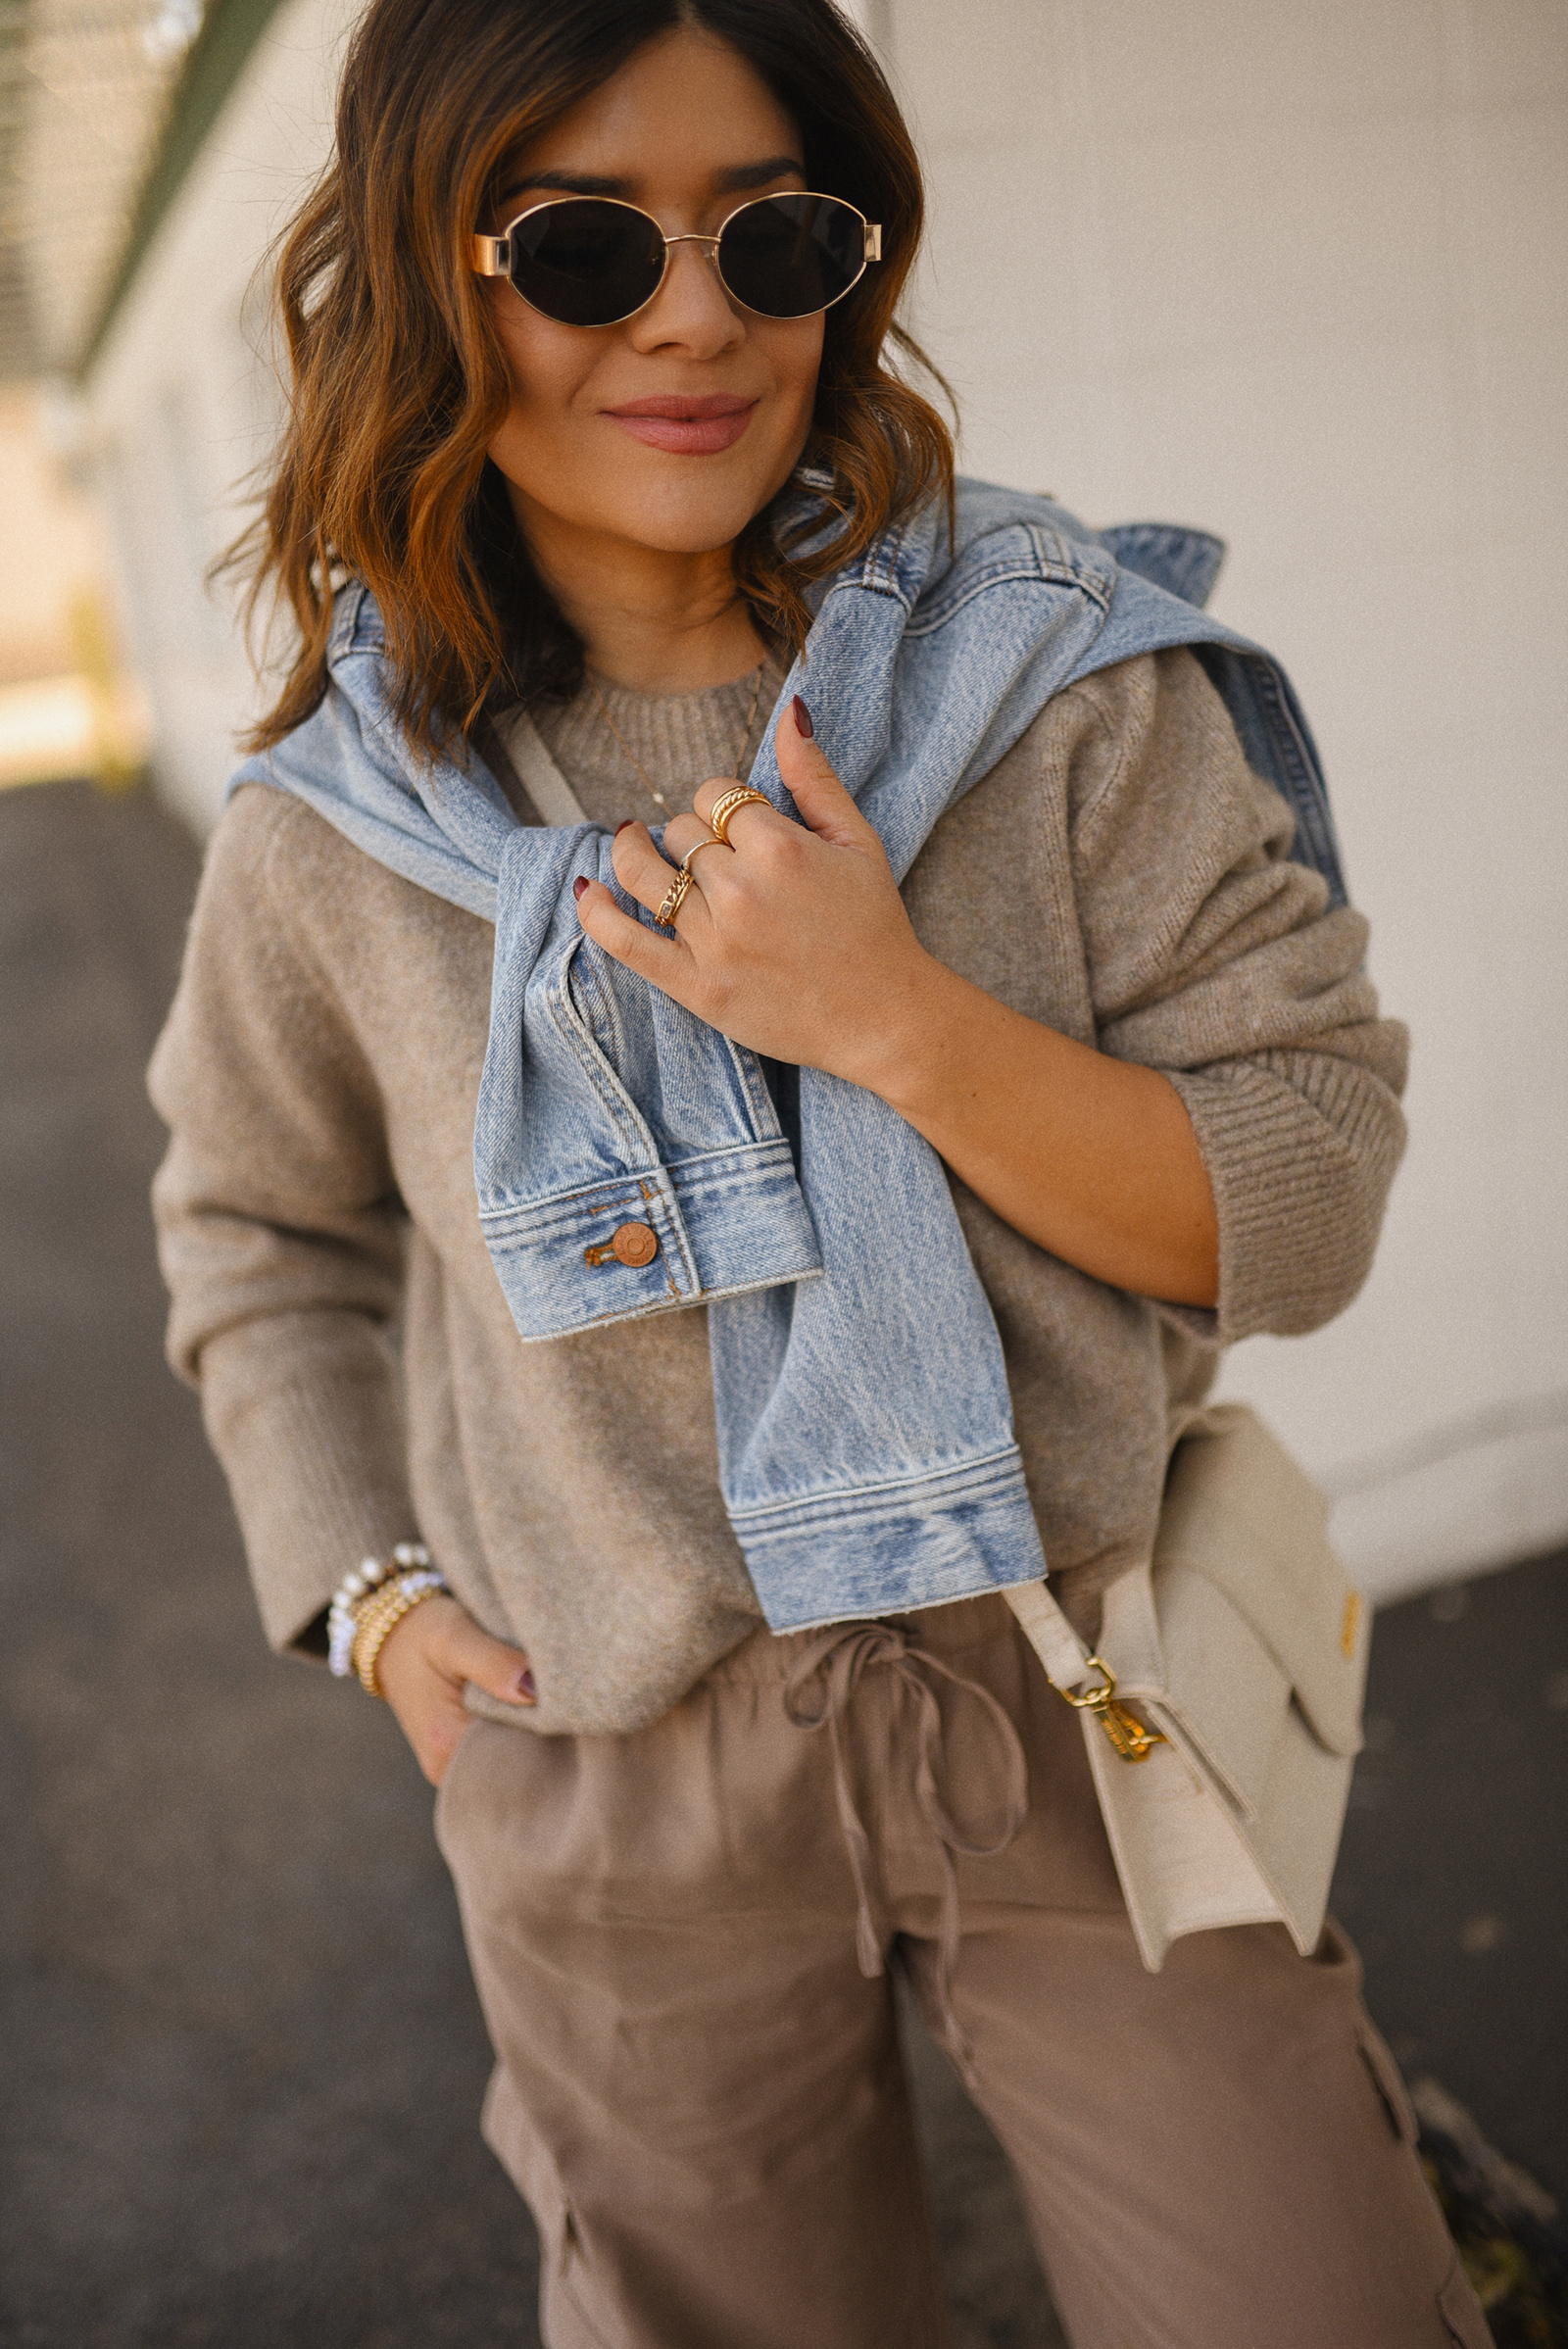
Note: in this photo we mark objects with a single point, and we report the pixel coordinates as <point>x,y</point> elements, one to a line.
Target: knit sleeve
<point>280,1234</point>
<point>1215,960</point>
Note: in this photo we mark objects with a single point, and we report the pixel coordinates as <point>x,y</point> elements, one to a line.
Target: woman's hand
<point>795,943</point>
<point>425,1660</point>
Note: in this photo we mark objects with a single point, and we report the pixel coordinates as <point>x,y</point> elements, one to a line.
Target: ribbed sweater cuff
<point>303,1410</point>
<point>1299,1149</point>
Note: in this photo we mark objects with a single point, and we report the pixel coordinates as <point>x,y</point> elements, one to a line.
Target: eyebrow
<point>589,184</point>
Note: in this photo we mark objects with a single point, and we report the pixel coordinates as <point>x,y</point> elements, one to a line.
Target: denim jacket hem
<point>955,1531</point>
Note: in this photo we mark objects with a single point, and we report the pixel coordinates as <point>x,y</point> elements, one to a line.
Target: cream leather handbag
<point>1244,1649</point>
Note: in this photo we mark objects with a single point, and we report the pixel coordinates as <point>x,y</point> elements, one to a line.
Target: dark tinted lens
<point>786,255</point>
<point>586,263</point>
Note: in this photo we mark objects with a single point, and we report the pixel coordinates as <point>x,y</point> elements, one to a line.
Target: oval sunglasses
<point>593,261</point>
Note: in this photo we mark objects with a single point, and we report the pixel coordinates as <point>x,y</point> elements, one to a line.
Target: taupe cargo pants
<point>698,2087</point>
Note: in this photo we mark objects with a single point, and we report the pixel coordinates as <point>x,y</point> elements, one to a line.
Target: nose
<point>691,308</point>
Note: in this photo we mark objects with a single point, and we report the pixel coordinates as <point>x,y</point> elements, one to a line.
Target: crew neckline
<point>771,669</point>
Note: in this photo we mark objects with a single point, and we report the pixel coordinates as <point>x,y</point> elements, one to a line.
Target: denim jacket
<point>865,1438</point>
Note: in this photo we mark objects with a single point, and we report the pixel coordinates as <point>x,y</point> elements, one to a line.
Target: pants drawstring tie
<point>817,1694</point>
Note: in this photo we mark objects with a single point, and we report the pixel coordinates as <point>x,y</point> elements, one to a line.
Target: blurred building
<point>1297,275</point>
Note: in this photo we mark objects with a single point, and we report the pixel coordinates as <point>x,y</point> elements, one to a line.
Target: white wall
<point>1301,274</point>
<point>1296,273</point>
<point>182,404</point>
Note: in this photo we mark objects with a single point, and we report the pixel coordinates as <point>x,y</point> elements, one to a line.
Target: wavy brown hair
<point>399,382</point>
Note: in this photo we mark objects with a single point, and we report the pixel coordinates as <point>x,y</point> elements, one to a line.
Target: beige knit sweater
<point>1121,875</point>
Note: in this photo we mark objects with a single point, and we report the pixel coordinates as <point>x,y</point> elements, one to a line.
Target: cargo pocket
<point>511,2137</point>
<point>1457,2304</point>
<point>1388,2082</point>
<point>1460,2311</point>
<point>573,2312</point>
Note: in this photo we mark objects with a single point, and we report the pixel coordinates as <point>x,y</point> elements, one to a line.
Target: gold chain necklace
<point>649,785</point>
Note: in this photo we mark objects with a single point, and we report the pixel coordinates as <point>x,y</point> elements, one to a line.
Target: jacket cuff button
<point>635,1244</point>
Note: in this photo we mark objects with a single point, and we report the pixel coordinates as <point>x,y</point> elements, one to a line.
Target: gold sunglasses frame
<point>492,255</point>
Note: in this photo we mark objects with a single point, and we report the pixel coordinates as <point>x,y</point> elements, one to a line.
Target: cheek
<point>548,366</point>
<point>794,348</point>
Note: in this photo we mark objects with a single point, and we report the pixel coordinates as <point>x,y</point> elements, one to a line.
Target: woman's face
<point>671,430</point>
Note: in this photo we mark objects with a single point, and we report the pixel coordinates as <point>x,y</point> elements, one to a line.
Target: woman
<point>589,415</point>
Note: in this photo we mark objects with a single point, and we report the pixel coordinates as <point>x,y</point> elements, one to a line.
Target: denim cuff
<point>730,1221</point>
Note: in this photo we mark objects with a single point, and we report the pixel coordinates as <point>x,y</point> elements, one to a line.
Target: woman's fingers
<point>825,807</point>
<point>465,1651</point>
<point>651,954</point>
<point>750,816</point>
<point>683,833</point>
<point>421,1668</point>
<point>790,939</point>
<point>814,786</point>
<point>648,876</point>
<point>643,873</point>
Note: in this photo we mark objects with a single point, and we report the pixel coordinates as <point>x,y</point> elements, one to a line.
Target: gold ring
<point>697,849</point>
<point>741,796</point>
<point>673,898</point>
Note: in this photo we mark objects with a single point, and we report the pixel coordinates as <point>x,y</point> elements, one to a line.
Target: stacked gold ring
<point>741,796</point>
<point>675,896</point>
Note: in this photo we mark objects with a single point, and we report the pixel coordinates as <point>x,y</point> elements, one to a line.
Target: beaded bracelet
<point>383,1609</point>
<point>352,1592</point>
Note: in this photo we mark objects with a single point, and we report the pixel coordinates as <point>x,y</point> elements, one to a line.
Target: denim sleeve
<point>1216,959</point>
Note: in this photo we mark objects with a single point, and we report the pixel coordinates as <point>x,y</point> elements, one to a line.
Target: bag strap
<point>515,752</point>
<point>1064,1655</point>
<point>1069,1662</point>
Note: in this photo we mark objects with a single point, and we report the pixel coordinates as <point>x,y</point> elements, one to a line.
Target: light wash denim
<point>864,1425</point>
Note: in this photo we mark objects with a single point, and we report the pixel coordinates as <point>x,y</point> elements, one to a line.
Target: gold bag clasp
<point>1130,1737</point>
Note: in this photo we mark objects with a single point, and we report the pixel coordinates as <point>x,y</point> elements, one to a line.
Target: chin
<point>687,519</point>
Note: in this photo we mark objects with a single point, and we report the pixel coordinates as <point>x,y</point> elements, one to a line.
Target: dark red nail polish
<point>803,718</point>
<point>579,885</point>
<point>624,825</point>
<point>525,1687</point>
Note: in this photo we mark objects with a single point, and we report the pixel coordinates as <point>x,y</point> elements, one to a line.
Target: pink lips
<point>686,427</point>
